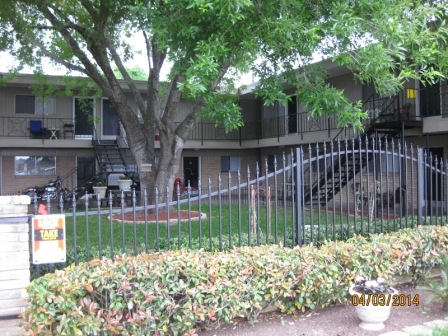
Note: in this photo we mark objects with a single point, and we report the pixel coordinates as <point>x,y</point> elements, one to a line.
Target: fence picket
<point>376,185</point>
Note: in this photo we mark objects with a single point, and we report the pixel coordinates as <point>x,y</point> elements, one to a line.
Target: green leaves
<point>174,292</point>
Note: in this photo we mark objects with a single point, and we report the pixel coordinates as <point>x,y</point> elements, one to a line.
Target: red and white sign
<point>48,239</point>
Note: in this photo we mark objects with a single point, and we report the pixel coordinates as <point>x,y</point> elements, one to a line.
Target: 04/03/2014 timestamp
<point>397,300</point>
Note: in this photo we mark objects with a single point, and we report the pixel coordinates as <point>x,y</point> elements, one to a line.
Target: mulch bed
<point>162,216</point>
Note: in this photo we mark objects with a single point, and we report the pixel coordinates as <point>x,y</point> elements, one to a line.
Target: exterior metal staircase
<point>345,167</point>
<point>110,156</point>
<point>115,157</point>
<point>87,187</point>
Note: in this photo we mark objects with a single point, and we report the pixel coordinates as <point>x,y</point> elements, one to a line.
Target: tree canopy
<point>209,43</point>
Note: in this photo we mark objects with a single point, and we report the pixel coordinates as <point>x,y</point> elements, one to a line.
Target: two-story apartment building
<point>45,137</point>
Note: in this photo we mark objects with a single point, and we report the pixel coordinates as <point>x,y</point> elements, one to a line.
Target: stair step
<point>109,156</point>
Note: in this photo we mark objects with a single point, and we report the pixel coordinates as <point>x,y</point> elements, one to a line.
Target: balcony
<point>19,127</point>
<point>297,128</point>
<point>16,132</point>
<point>299,124</point>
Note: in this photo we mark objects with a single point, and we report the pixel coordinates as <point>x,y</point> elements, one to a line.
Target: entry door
<point>292,115</point>
<point>84,117</point>
<point>85,169</point>
<point>430,100</point>
<point>191,171</point>
<point>111,121</point>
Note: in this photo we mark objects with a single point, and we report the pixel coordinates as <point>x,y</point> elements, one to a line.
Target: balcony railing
<point>293,124</point>
<point>296,124</point>
<point>19,127</point>
<point>299,124</point>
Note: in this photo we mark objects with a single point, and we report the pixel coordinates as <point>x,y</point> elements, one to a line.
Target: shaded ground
<point>339,320</point>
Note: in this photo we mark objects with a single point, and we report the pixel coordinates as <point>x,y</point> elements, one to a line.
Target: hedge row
<point>173,293</point>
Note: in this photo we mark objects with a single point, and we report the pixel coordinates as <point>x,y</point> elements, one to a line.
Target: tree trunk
<point>161,176</point>
<point>171,147</point>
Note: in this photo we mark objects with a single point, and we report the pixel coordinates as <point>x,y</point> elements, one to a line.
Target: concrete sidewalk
<point>422,330</point>
<point>10,327</point>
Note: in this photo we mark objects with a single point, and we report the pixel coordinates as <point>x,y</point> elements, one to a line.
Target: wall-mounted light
<point>411,93</point>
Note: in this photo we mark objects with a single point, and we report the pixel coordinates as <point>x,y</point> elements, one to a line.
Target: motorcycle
<point>54,189</point>
<point>50,191</point>
<point>35,193</point>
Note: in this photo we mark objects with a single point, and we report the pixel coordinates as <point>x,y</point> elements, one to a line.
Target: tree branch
<point>183,129</point>
<point>90,68</point>
<point>158,58</point>
<point>52,56</point>
<point>171,102</point>
<point>118,62</point>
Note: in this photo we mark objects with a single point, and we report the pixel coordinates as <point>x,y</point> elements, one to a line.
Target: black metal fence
<point>316,193</point>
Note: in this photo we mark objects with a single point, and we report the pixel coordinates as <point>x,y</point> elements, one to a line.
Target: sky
<point>7,61</point>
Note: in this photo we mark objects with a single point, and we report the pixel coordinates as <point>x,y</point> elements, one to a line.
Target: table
<point>54,133</point>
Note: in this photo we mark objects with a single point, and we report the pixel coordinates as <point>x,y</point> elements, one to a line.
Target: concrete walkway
<point>10,327</point>
<point>422,330</point>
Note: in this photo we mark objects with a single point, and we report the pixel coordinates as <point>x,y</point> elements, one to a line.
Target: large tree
<point>210,42</point>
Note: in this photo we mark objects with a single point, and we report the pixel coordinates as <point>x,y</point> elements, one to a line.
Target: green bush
<point>439,288</point>
<point>172,293</point>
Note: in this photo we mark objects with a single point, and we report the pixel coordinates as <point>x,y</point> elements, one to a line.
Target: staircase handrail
<point>70,173</point>
<point>366,134</point>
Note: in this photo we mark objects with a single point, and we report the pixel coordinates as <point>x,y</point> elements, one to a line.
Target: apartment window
<point>271,166</point>
<point>230,163</point>
<point>390,162</point>
<point>387,163</point>
<point>35,165</point>
<point>29,104</point>
<point>25,104</point>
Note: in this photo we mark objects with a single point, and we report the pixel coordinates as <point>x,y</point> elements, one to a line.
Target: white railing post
<point>421,169</point>
<point>297,189</point>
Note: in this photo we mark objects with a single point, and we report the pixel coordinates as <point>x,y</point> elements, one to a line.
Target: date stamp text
<point>395,300</point>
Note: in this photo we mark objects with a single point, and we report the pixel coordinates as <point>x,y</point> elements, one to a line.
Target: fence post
<point>420,184</point>
<point>14,255</point>
<point>297,189</point>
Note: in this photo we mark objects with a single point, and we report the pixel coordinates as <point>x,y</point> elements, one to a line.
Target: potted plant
<point>439,288</point>
<point>124,182</point>
<point>372,300</point>
<point>101,188</point>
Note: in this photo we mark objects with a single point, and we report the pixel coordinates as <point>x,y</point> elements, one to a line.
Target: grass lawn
<point>224,226</point>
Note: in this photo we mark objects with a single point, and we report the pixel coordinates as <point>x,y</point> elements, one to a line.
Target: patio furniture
<point>54,133</point>
<point>36,129</point>
<point>403,112</point>
<point>68,129</point>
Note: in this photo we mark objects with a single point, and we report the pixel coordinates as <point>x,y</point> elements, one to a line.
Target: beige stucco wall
<point>346,82</point>
<point>65,162</point>
<point>63,105</point>
<point>210,164</point>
